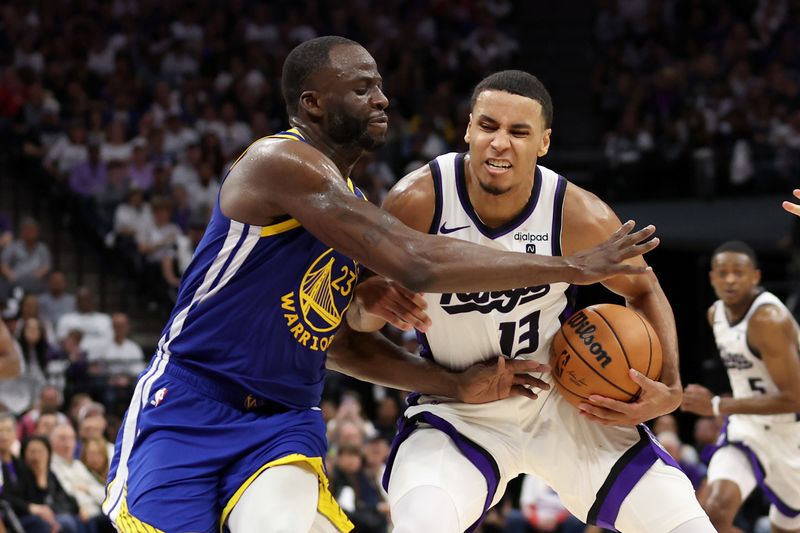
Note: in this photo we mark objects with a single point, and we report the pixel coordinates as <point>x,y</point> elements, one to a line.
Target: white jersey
<point>747,372</point>
<point>471,327</point>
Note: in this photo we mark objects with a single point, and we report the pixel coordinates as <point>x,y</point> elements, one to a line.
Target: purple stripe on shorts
<point>624,475</point>
<point>476,455</point>
<point>758,471</point>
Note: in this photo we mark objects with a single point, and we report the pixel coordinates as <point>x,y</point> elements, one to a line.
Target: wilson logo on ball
<point>585,331</point>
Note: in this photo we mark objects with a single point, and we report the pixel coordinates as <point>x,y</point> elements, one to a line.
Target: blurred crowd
<point>699,98</point>
<point>126,115</point>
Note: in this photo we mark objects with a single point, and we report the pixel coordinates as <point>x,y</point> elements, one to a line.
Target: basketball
<point>595,348</point>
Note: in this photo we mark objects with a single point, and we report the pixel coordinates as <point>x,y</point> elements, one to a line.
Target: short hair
<point>737,247</point>
<point>520,83</point>
<point>301,62</point>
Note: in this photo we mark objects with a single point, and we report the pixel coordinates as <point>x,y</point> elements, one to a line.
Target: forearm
<point>766,404</point>
<point>372,357</point>
<point>654,306</point>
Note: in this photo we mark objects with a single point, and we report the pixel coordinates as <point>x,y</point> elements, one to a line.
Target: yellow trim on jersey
<point>127,522</point>
<point>278,136</point>
<point>326,505</point>
<point>280,227</point>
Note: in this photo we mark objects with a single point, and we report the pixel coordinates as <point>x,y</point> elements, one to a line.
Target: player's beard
<point>493,189</point>
<point>346,129</point>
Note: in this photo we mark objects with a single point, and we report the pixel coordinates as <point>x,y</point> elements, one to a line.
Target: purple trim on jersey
<point>511,225</point>
<point>476,455</point>
<point>558,210</point>
<point>436,174</point>
<point>291,134</point>
<point>624,475</point>
<point>571,293</point>
<point>425,352</point>
<point>758,472</point>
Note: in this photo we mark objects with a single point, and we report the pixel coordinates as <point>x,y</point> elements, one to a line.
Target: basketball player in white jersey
<point>760,443</point>
<point>792,207</point>
<point>451,461</point>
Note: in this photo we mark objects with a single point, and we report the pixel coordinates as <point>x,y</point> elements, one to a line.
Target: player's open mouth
<point>497,166</point>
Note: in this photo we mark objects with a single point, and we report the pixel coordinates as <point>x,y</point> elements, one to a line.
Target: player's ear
<point>466,134</point>
<point>757,275</point>
<point>545,146</point>
<point>310,102</point>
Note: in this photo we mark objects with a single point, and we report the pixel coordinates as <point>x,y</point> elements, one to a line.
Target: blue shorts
<point>185,454</point>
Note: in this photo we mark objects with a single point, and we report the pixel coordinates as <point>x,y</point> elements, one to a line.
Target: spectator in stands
<point>76,479</point>
<point>93,426</point>
<point>140,170</point>
<point>87,178</point>
<point>94,326</point>
<point>118,363</point>
<point>111,195</point>
<point>204,195</point>
<point>115,149</point>
<point>50,401</point>
<point>356,492</point>
<point>67,152</point>
<point>56,302</point>
<point>46,490</point>
<point>94,456</point>
<point>45,423</point>
<point>33,517</point>
<point>235,134</point>
<point>36,353</point>
<point>6,235</point>
<point>26,262</point>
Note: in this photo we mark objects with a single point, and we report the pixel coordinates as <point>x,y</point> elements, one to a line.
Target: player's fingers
<point>639,249</point>
<point>623,230</point>
<point>524,366</point>
<point>796,193</point>
<point>525,379</point>
<point>609,404</point>
<point>692,388</point>
<point>642,380</point>
<point>792,208</point>
<point>399,323</point>
<point>519,390</point>
<point>639,236</point>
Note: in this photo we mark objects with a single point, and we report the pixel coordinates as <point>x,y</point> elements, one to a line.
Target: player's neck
<point>343,156</point>
<point>494,210</point>
<point>737,311</point>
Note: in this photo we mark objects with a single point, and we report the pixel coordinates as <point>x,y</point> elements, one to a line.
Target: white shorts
<point>752,454</point>
<point>593,468</point>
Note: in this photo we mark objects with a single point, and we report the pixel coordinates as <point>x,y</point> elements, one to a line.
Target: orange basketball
<point>594,349</point>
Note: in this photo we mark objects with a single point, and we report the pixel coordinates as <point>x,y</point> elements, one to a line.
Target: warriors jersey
<point>747,372</point>
<point>259,305</point>
<point>471,327</point>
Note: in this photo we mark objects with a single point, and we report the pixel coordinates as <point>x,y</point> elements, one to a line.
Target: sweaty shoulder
<point>587,220</point>
<point>267,172</point>
<point>413,199</point>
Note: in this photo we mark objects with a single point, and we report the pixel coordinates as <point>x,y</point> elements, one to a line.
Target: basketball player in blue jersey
<point>451,461</point>
<point>224,428</point>
<point>757,339</point>
<point>792,207</point>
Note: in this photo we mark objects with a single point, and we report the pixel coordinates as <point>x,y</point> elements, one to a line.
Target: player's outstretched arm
<point>317,196</point>
<point>587,219</point>
<point>9,358</point>
<point>772,332</point>
<point>372,357</point>
<point>792,207</point>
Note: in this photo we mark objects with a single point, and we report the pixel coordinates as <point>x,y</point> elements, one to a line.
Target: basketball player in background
<point>760,444</point>
<point>792,207</point>
<point>224,427</point>
<point>451,461</point>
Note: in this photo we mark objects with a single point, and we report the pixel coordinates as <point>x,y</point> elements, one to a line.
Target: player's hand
<point>606,259</point>
<point>791,207</point>
<point>697,400</point>
<point>379,300</point>
<point>655,399</point>
<point>500,378</point>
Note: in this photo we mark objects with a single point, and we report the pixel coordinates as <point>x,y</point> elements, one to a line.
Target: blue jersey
<point>259,305</point>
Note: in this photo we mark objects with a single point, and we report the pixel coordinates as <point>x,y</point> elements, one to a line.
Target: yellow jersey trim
<point>326,505</point>
<point>127,522</point>
<point>280,227</point>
